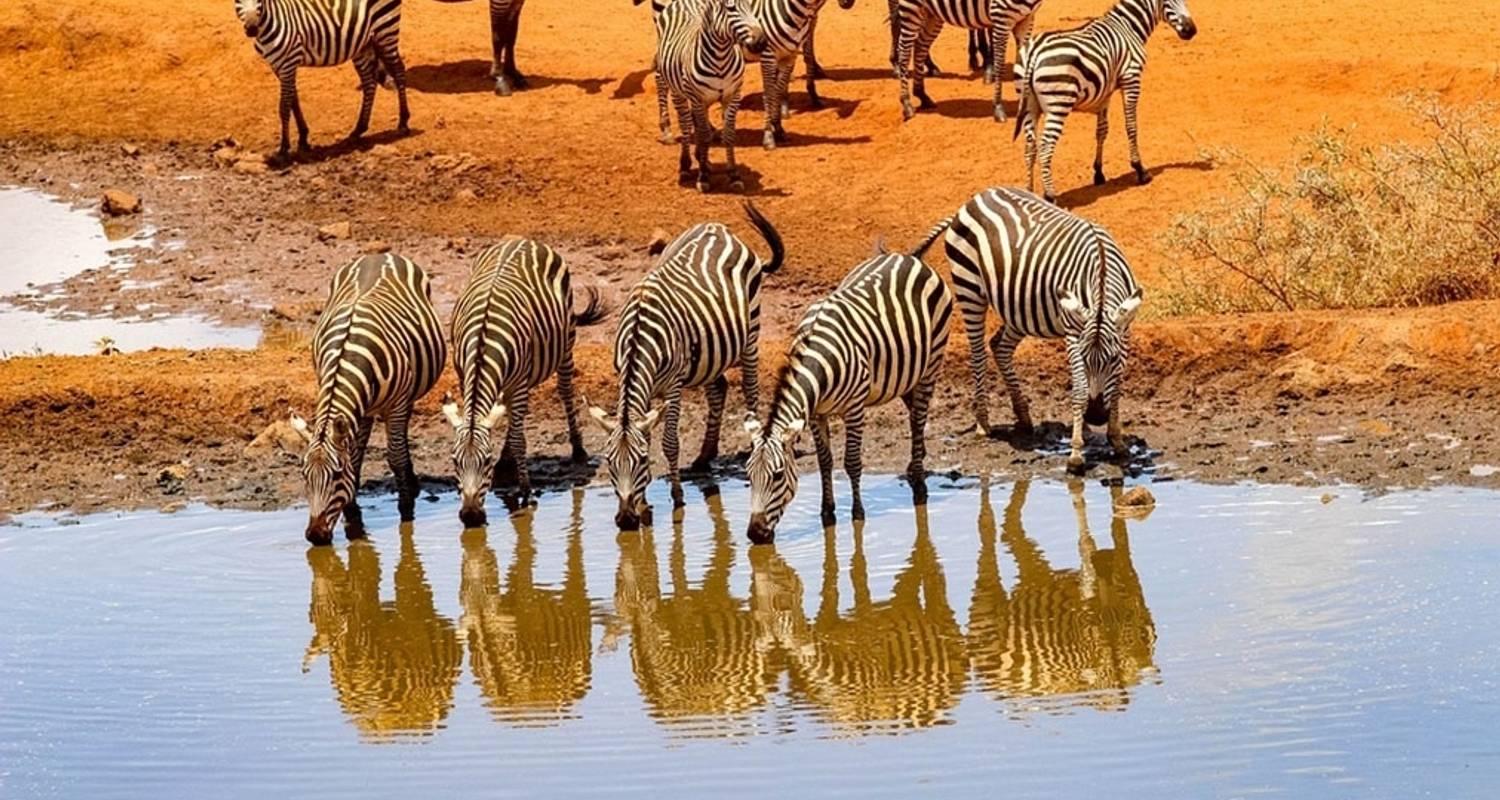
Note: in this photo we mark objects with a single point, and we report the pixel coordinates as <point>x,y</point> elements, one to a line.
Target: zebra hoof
<point>1051,198</point>
<point>666,137</point>
<point>768,141</point>
<point>1099,179</point>
<point>906,112</point>
<point>829,517</point>
<point>1142,177</point>
<point>737,185</point>
<point>1076,464</point>
<point>703,185</point>
<point>999,114</point>
<point>502,88</point>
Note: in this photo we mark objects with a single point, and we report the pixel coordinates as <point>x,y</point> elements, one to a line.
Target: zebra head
<point>1176,14</point>
<point>250,14</point>
<point>1098,342</point>
<point>326,474</point>
<point>725,16</point>
<point>474,457</point>
<point>772,468</point>
<point>628,454</point>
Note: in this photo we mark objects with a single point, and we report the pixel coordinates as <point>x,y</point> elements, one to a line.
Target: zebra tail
<point>932,236</point>
<point>767,232</point>
<point>594,310</point>
<point>1023,103</point>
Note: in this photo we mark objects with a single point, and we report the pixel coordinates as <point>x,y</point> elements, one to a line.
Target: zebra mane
<point>1103,281</point>
<point>782,383</point>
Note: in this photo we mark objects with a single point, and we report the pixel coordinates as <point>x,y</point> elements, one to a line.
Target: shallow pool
<point>1007,640</point>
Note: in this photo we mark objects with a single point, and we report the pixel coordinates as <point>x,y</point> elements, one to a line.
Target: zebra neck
<point>1139,16</point>
<point>329,412</point>
<point>796,396</point>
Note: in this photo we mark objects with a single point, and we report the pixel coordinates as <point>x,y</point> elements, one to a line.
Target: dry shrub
<point>1348,226</point>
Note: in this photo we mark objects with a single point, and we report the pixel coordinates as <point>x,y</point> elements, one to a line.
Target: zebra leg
<point>1101,132</point>
<point>920,55</point>
<point>916,407</point>
<point>515,440</point>
<point>288,101</point>
<point>512,29</point>
<point>784,69</point>
<point>810,57</point>
<point>854,437</point>
<point>750,370</point>
<point>663,119</point>
<point>902,44</point>
<point>1003,346</point>
<point>1052,127</point>
<point>825,465</point>
<point>497,48</point>
<point>390,58</point>
<point>727,136</point>
<point>670,444</point>
<point>999,35</point>
<point>685,122</point>
<point>1116,434</point>
<point>1131,86</point>
<point>701,133</point>
<point>771,103</point>
<point>354,521</point>
<point>570,404</point>
<point>974,310</point>
<point>1079,397</point>
<point>1028,127</point>
<point>717,392</point>
<point>366,64</point>
<point>302,143</point>
<point>398,456</point>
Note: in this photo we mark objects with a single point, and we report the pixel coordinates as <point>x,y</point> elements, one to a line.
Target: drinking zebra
<point>1079,70</point>
<point>920,21</point>
<point>787,25</point>
<point>1046,273</point>
<point>323,33</point>
<point>505,20</point>
<point>513,327</point>
<point>377,349</point>
<point>698,57</point>
<point>694,315</point>
<point>879,336</point>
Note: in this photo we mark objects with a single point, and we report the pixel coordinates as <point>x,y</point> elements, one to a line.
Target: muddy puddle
<point>44,241</point>
<point>1010,638</point>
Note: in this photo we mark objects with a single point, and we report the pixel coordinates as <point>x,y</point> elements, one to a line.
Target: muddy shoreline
<point>1372,399</point>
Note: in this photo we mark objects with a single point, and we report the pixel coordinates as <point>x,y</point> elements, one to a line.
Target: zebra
<point>377,349</point>
<point>979,44</point>
<point>698,57</point>
<point>694,315</point>
<point>505,20</point>
<point>920,21</point>
<point>879,336</point>
<point>1085,632</point>
<point>512,329</point>
<point>290,34</point>
<point>664,120</point>
<point>1050,274</point>
<point>1080,69</point>
<point>787,25</point>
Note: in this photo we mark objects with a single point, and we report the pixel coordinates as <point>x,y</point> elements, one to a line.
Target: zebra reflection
<point>1085,634</point>
<point>529,646</point>
<point>393,664</point>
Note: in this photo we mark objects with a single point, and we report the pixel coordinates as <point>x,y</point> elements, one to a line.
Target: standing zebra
<point>663,119</point>
<point>979,44</point>
<point>1078,70</point>
<point>323,33</point>
<point>377,349</point>
<point>505,20</point>
<point>880,335</point>
<point>513,327</point>
<point>693,316</point>
<point>1046,273</point>
<point>699,58</point>
<point>920,21</point>
<point>788,27</point>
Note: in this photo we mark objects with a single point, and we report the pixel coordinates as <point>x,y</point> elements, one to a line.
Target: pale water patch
<point>1011,638</point>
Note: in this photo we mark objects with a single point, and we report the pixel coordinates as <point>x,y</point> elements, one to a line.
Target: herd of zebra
<point>880,335</point>
<point>702,47</point>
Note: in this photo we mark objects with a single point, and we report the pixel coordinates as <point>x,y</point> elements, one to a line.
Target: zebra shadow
<point>1088,194</point>
<point>800,106</point>
<point>972,108</point>
<point>472,76</point>
<point>632,85</point>
<point>755,185</point>
<point>1054,438</point>
<point>317,154</point>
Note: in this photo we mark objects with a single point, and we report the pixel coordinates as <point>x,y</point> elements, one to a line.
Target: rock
<point>118,202</point>
<point>658,243</point>
<point>247,166</point>
<point>130,150</point>
<point>335,230</point>
<point>1137,502</point>
<point>227,155</point>
<point>1327,498</point>
<point>374,246</point>
<point>1375,427</point>
<point>174,507</point>
<point>170,479</point>
<point>318,182</point>
<point>278,437</point>
<point>465,196</point>
<point>456,164</point>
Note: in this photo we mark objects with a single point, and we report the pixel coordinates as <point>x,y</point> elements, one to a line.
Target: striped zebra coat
<point>694,315</point>
<point>664,119</point>
<point>505,21</point>
<point>920,21</point>
<point>699,59</point>
<point>513,328</point>
<point>879,336</point>
<point>787,25</point>
<point>290,34</point>
<point>1079,70</point>
<point>979,45</point>
<point>1050,274</point>
<point>377,349</point>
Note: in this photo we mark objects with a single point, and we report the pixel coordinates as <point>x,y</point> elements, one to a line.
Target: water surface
<point>1013,639</point>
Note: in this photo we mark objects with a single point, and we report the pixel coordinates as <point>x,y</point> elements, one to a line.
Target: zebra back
<point>378,345</point>
<point>322,33</point>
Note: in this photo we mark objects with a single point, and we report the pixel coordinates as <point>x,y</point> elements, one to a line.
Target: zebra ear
<point>300,426</point>
<point>1126,312</point>
<point>649,421</point>
<point>792,430</point>
<point>496,412</point>
<point>450,410</point>
<point>752,425</point>
<point>602,417</point>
